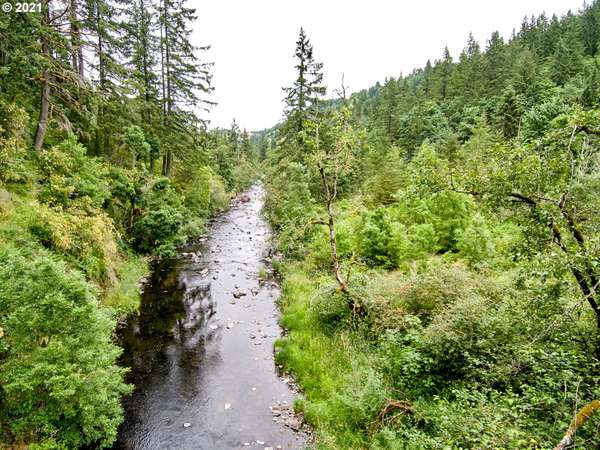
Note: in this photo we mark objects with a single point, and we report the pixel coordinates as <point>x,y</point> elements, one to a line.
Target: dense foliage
<point>442,240</point>
<point>103,162</point>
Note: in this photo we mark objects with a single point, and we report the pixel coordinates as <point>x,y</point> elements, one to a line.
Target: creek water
<point>202,359</point>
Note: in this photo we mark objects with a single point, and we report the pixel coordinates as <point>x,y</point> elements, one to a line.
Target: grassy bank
<point>327,365</point>
<point>479,375</point>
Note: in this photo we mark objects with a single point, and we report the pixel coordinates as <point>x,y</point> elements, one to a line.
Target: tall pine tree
<point>184,77</point>
<point>307,88</point>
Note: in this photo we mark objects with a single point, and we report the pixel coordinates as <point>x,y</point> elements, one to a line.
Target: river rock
<point>294,424</point>
<point>239,293</point>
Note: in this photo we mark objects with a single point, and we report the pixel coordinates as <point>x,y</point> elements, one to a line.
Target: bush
<point>388,179</point>
<point>136,144</point>
<point>157,229</point>
<point>476,242</point>
<point>413,228</point>
<point>289,207</point>
<point>88,242</point>
<point>329,306</point>
<point>58,377</point>
<point>70,178</point>
<point>205,192</point>
<point>375,238</point>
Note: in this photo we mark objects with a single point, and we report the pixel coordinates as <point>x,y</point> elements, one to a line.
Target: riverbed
<point>201,348</point>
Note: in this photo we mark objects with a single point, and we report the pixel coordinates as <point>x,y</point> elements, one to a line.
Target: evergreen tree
<point>508,113</point>
<point>426,82</point>
<point>386,110</point>
<point>567,59</point>
<point>307,89</point>
<point>142,50</point>
<point>526,78</point>
<point>183,77</point>
<point>234,137</point>
<point>445,73</point>
<point>495,64</point>
<point>590,29</point>
<point>467,76</point>
<point>550,37</point>
<point>591,91</point>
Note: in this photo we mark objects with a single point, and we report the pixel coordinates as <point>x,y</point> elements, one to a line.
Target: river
<point>201,348</point>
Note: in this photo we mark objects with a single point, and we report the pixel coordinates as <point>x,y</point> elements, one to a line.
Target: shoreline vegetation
<point>103,163</point>
<point>441,244</point>
<point>74,243</point>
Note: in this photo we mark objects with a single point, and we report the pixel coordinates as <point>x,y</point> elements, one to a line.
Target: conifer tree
<point>446,73</point>
<point>495,64</point>
<point>591,91</point>
<point>467,76</point>
<point>307,89</point>
<point>567,58</point>
<point>526,78</point>
<point>142,50</point>
<point>508,113</point>
<point>183,76</point>
<point>590,29</point>
<point>426,83</point>
<point>386,110</point>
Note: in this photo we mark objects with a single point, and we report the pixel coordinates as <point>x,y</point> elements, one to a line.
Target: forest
<point>104,165</point>
<point>438,233</point>
<point>441,239</point>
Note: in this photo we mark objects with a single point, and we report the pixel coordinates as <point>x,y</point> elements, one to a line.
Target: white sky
<point>253,42</point>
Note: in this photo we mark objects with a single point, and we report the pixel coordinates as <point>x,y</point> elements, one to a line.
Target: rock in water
<point>239,293</point>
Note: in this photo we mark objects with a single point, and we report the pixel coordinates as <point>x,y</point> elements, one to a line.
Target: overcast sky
<point>253,43</point>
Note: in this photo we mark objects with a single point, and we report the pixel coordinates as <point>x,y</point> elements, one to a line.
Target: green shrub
<point>244,174</point>
<point>205,192</point>
<point>476,242</point>
<point>70,177</point>
<point>158,228</point>
<point>58,377</point>
<point>375,238</point>
<point>124,296</point>
<point>136,144</point>
<point>388,179</point>
<point>125,197</point>
<point>86,241</point>
<point>330,306</point>
<point>289,207</point>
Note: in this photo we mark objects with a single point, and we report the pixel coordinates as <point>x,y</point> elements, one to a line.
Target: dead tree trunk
<point>330,194</point>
